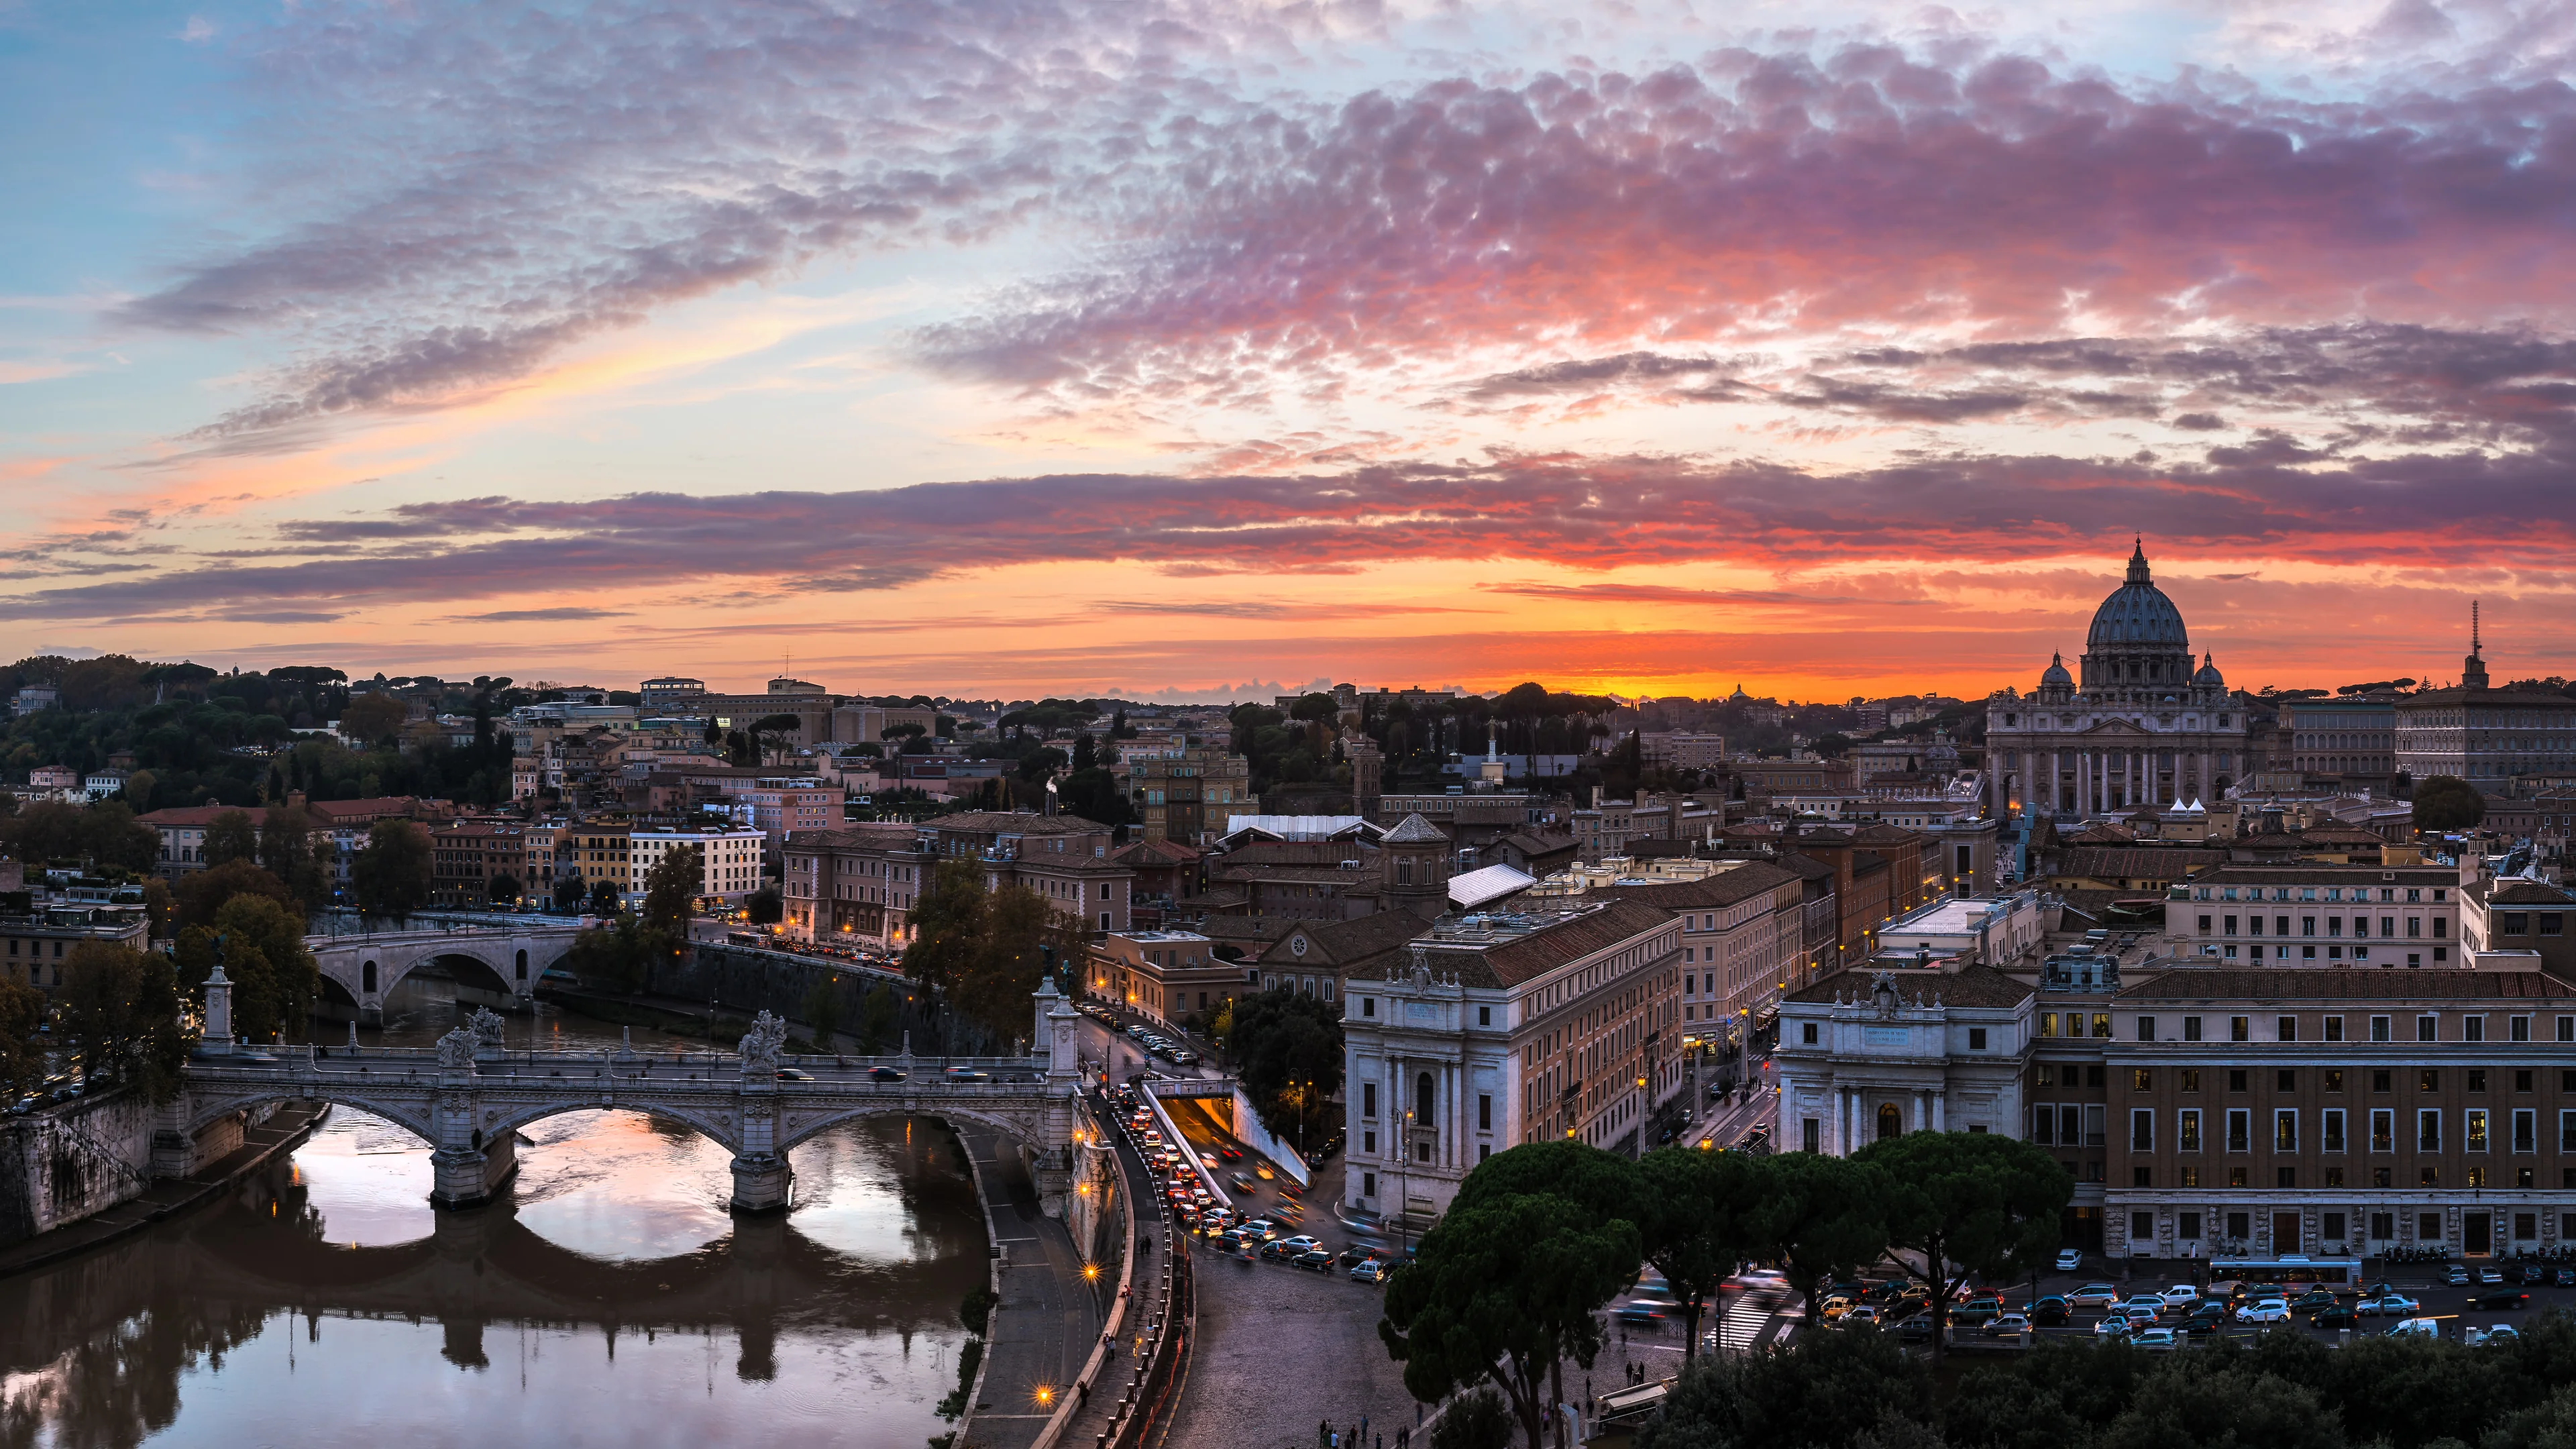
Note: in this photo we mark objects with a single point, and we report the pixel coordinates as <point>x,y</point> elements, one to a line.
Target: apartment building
<point>2273,1111</point>
<point>855,881</point>
<point>596,851</point>
<point>468,856</point>
<point>37,941</point>
<point>1492,1030</point>
<point>2317,914</point>
<point>729,858</point>
<point>1184,790</point>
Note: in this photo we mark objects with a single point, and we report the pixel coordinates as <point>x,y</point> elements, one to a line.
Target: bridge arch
<point>499,1120</point>
<point>1026,1133</point>
<point>204,1112</point>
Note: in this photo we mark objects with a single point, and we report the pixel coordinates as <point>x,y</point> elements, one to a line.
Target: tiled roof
<point>2136,862</point>
<point>886,835</point>
<point>1014,822</point>
<point>1414,830</point>
<point>1345,943</point>
<point>2351,984</point>
<point>2522,892</point>
<point>1969,986</point>
<point>1725,888</point>
<point>1528,957</point>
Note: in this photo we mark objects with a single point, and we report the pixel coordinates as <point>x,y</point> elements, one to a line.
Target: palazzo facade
<point>2140,726</point>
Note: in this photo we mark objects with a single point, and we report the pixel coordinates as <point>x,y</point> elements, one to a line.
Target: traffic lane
<point>1275,1198</point>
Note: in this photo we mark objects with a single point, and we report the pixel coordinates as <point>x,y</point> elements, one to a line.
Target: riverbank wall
<point>64,1162</point>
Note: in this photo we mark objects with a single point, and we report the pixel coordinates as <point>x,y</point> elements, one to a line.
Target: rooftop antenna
<point>2473,627</point>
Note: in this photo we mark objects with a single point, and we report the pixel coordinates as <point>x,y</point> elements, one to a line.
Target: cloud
<point>563,615</point>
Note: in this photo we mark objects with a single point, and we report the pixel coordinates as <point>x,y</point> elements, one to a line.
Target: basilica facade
<point>2138,724</point>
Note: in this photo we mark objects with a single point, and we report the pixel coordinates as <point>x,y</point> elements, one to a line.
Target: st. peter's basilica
<point>2142,726</point>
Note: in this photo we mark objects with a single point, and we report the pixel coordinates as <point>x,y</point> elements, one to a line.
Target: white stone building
<point>1869,1055</point>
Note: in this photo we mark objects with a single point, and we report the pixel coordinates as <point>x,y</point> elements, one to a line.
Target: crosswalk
<point>1741,1327</point>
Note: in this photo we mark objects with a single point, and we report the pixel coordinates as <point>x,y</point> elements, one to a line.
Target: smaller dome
<point>2057,675</point>
<point>2209,677</point>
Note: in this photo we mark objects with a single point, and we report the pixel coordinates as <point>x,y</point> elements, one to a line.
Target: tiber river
<point>609,1299</point>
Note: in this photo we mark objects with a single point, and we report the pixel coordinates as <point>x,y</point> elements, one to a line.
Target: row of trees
<point>980,951</point>
<point>622,954</point>
<point>1511,1282</point>
<point>2280,1390</point>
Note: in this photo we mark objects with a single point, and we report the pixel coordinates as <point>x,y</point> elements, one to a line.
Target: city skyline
<point>1157,350</point>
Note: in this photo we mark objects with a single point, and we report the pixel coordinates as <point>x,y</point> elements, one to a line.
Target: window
<point>2142,1079</point>
<point>2379,1081</point>
<point>2043,1125</point>
<point>1484,1016</point>
<point>2191,1079</point>
<point>2240,1028</point>
<point>2428,1131</point>
<point>2187,1225</point>
<point>2428,1080</point>
<point>2334,1079</point>
<point>2334,1028</point>
<point>2477,1079</point>
<point>2191,1028</point>
<point>2567,1131</point>
<point>2379,1028</point>
<point>2330,1130</point>
<point>2240,1130</point>
<point>2285,1079</point>
<point>2476,1136</point>
<point>1368,1143</point>
<point>2425,1028</point>
<point>2473,1028</point>
<point>1484,1113</point>
<point>2518,1028</point>
<point>1368,1099</point>
<point>2146,1028</point>
<point>1807,1033</point>
<point>2526,1130</point>
<point>1368,1006</point>
<point>1976,1038</point>
<point>2102,1025</point>
<point>2383,1129</point>
<point>2236,1079</point>
<point>2187,1129</point>
<point>2048,1023</point>
<point>2287,1029</point>
<point>2285,1130</point>
<point>2142,1130</point>
<point>1810,1134</point>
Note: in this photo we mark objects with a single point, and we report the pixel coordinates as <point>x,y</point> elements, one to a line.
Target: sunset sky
<point>1181,349</point>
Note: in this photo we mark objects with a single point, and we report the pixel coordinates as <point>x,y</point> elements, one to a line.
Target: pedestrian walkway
<point>1145,1304</point>
<point>1048,1318</point>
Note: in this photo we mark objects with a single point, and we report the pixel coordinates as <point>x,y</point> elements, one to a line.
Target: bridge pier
<point>464,1178</point>
<point>762,1183</point>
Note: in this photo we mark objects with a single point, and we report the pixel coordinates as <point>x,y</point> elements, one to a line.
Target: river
<point>609,1299</point>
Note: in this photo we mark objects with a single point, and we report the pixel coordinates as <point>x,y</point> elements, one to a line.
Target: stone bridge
<point>366,967</point>
<point>468,1097</point>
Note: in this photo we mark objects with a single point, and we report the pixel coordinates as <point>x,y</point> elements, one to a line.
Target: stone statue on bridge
<point>487,1029</point>
<point>456,1049</point>
<point>761,1045</point>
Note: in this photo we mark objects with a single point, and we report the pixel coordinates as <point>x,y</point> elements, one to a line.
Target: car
<point>2152,1305</point>
<point>2417,1328</point>
<point>2500,1335</point>
<point>1262,1170</point>
<point>2457,1275</point>
<point>1912,1328</point>
<point>2155,1340</point>
<point>2069,1259</point>
<point>1975,1310</point>
<point>1860,1314</point>
<point>1762,1281</point>
<point>1300,1243</point>
<point>2488,1276</point>
<point>1313,1260</point>
<point>2112,1326</point>
<point>2181,1295</point>
<point>1240,1182</point>
<point>792,1074</point>
<point>2506,1299</point>
<point>2392,1305</point>
<point>2049,1312</point>
<point>2201,1325</point>
<point>1262,1228</point>
<point>1231,1240</point>
<point>2094,1295</point>
<point>2562,1277</point>
<point>967,1074</point>
<point>1185,1057</point>
<point>885,1074</point>
<point>1649,1312</point>
<point>1834,1307</point>
<point>1230,1153</point>
<point>2338,1316</point>
<point>2008,1323</point>
<point>1369,1270</point>
<point>1354,1255</point>
<point>2265,1310</point>
<point>1277,1252</point>
<point>2313,1301</point>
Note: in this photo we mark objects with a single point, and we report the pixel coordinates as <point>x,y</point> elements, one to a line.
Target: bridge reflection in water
<point>324,1302</point>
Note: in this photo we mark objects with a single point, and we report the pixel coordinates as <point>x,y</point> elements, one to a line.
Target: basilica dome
<point>2137,615</point>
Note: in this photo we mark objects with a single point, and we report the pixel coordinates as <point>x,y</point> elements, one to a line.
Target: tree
<point>121,1008</point>
<point>231,836</point>
<point>618,956</point>
<point>605,897</point>
<point>2447,802</point>
<point>373,720</point>
<point>876,1020</point>
<point>290,851</point>
<point>982,951</point>
<point>1818,1216</point>
<point>111,836</point>
<point>22,1050</point>
<point>274,976</point>
<point>671,891</point>
<point>390,875</point>
<point>1833,1389</point>
<point>202,893</point>
<point>504,888</point>
<point>823,1012</point>
<point>765,907</point>
<point>1503,1291</point>
<point>1287,1048</point>
<point>1477,1419</point>
<point>568,892</point>
<point>1968,1202</point>
<point>1696,1211</point>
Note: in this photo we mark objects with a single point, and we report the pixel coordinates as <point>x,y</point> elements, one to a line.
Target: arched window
<point>523,965</point>
<point>367,978</point>
<point>1422,1100</point>
<point>1889,1124</point>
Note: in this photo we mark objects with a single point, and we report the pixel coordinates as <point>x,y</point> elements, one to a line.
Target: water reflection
<point>609,1299</point>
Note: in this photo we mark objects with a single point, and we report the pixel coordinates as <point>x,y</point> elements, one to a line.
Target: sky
<point>1188,349</point>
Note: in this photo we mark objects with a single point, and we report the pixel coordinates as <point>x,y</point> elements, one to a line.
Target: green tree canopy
<point>982,951</point>
<point>1819,1216</point>
<point>1967,1202</point>
<point>1287,1048</point>
<point>373,719</point>
<point>671,889</point>
<point>1697,1212</point>
<point>202,893</point>
<point>275,978</point>
<point>1833,1389</point>
<point>390,875</point>
<point>765,906</point>
<point>22,1050</point>
<point>2447,802</point>
<point>231,835</point>
<point>1503,1291</point>
<point>291,850</point>
<point>121,1009</point>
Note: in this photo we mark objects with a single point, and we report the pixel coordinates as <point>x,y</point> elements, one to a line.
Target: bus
<point>2291,1271</point>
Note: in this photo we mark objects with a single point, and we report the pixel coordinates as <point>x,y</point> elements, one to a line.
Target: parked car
<point>1276,1252</point>
<point>2155,1340</point>
<point>1314,1260</point>
<point>1301,1244</point>
<point>2501,1335</point>
<point>2315,1300</point>
<point>1369,1270</point>
<point>2457,1275</point>
<point>1861,1314</point>
<point>1974,1311</point>
<point>2151,1305</point>
<point>2069,1259</point>
<point>2265,1310</point>
<point>2094,1295</point>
